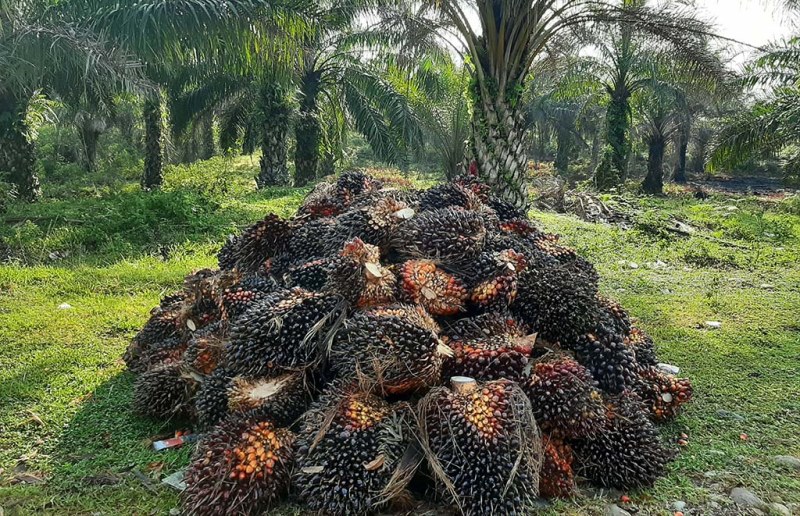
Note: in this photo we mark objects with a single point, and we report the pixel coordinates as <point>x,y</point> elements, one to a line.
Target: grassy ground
<point>69,444</point>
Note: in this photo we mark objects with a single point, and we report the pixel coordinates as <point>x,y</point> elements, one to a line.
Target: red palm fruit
<point>241,467</point>
<point>440,293</point>
<point>564,398</point>
<point>489,357</point>
<point>556,480</point>
<point>663,394</point>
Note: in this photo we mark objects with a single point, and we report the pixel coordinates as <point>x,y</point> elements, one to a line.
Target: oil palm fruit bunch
<point>489,357</point>
<point>393,351</point>
<point>662,393</point>
<point>165,392</point>
<point>482,445</point>
<point>495,284</point>
<point>440,293</point>
<point>604,353</point>
<point>353,453</point>
<point>242,467</point>
<point>281,398</point>
<point>557,302</point>
<point>448,235</point>
<point>642,345</point>
<point>564,397</point>
<point>256,244</point>
<point>627,452</point>
<point>380,298</point>
<point>284,330</point>
<point>557,479</point>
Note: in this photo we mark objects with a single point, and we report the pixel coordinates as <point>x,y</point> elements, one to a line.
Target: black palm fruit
<point>281,398</point>
<point>628,452</point>
<point>165,392</point>
<point>450,235</point>
<point>350,454</point>
<point>604,353</point>
<point>259,242</point>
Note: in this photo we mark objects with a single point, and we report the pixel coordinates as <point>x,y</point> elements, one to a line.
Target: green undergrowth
<point>69,443</point>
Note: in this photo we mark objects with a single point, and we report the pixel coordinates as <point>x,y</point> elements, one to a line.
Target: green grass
<point>65,397</point>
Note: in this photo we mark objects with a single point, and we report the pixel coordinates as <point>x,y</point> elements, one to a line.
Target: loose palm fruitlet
<point>352,453</point>
<point>482,445</point>
<point>242,467</point>
<point>417,340</point>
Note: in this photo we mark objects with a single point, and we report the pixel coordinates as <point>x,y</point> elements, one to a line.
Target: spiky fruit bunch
<point>557,302</point>
<point>472,183</point>
<point>349,453</point>
<point>423,283</point>
<point>614,315</point>
<point>235,299</point>
<point>378,284</point>
<point>488,324</point>
<point>211,401</point>
<point>314,239</point>
<point>414,314</point>
<point>375,223</point>
<point>448,195</point>
<point>604,353</point>
<point>242,467</point>
<point>497,284</point>
<point>557,479</point>
<point>642,346</point>
<point>352,184</point>
<point>283,330</point>
<point>164,325</point>
<point>281,398</point>
<point>663,394</point>
<point>482,443</point>
<point>321,202</point>
<point>628,452</point>
<point>505,211</point>
<point>204,351</point>
<point>451,235</point>
<point>256,244</point>
<point>164,392</point>
<point>394,352</point>
<point>310,275</point>
<point>489,358</point>
<point>564,398</point>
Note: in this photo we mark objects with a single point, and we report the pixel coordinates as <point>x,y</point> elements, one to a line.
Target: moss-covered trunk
<point>153,144</point>
<point>654,181</point>
<point>274,112</point>
<point>683,146</point>
<point>17,158</point>
<point>563,149</point>
<point>307,131</point>
<point>613,169</point>
<point>208,148</point>
<point>89,132</point>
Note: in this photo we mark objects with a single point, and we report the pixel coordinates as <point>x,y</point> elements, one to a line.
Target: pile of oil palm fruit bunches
<point>385,347</point>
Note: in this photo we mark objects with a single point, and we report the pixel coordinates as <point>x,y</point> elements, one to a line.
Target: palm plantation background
<point>134,136</point>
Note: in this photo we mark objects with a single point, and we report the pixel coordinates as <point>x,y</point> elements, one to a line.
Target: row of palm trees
<point>388,69</point>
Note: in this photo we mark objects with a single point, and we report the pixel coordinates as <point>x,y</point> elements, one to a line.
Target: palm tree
<point>43,49</point>
<point>510,37</point>
<point>772,124</point>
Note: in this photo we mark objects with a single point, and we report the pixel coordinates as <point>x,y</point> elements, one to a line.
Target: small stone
<point>669,368</point>
<point>679,505</point>
<point>767,286</point>
<point>64,306</point>
<point>746,498</point>
<point>615,510</point>
<point>713,324</point>
<point>711,474</point>
<point>788,461</point>
<point>174,511</point>
<point>779,508</point>
<point>633,265</point>
<point>726,414</point>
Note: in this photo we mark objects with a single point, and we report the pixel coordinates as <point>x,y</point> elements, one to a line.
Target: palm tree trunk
<point>275,110</point>
<point>498,147</point>
<point>207,151</point>
<point>683,146</point>
<point>595,151</point>
<point>307,131</point>
<point>89,132</point>
<point>17,158</point>
<point>614,171</point>
<point>654,181</point>
<point>563,150</point>
<point>153,151</point>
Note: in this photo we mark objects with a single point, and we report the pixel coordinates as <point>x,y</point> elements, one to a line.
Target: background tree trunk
<point>498,146</point>
<point>654,181</point>
<point>275,110</point>
<point>89,132</point>
<point>307,131</point>
<point>614,172</point>
<point>153,147</point>
<point>208,149</point>
<point>17,157</point>
<point>563,150</point>
<point>683,146</point>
